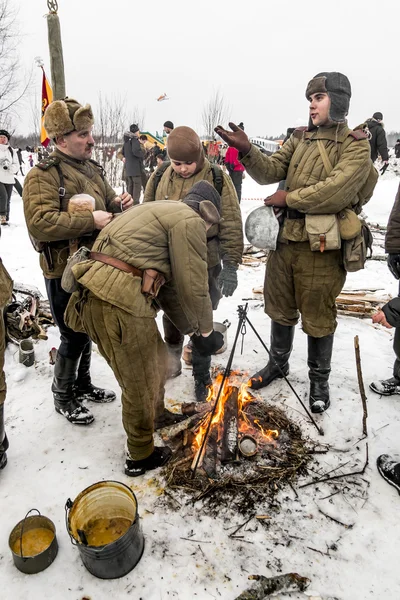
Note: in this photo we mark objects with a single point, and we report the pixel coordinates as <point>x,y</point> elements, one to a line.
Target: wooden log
<point>210,461</point>
<point>267,586</point>
<point>229,436</point>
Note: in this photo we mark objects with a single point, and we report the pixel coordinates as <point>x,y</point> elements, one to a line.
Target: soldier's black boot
<point>281,345</point>
<point>319,364</point>
<point>174,341</point>
<point>84,389</point>
<point>63,389</point>
<point>3,439</point>
<point>174,365</point>
<point>201,373</point>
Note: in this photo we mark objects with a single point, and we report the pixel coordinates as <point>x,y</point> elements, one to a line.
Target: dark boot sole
<point>3,460</point>
<point>317,410</point>
<point>89,399</point>
<point>81,423</point>
<point>389,481</point>
<point>256,384</point>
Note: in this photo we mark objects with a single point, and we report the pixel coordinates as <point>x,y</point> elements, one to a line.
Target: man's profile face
<point>167,130</point>
<point>319,109</point>
<point>77,144</point>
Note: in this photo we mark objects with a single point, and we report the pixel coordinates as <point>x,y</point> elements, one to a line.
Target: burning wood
<point>268,586</point>
<point>229,438</point>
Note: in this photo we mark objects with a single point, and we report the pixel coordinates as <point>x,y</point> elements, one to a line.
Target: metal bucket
<point>26,353</point>
<point>38,562</point>
<point>222,328</point>
<point>106,500</point>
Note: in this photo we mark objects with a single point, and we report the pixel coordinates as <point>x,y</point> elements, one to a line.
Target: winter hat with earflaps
<point>204,199</point>
<point>67,115</point>
<point>338,88</point>
<point>184,145</point>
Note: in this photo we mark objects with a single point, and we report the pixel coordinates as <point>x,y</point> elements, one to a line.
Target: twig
<point>361,385</point>
<point>192,540</point>
<point>342,475</point>
<point>242,525</point>
<point>319,551</point>
<point>335,520</point>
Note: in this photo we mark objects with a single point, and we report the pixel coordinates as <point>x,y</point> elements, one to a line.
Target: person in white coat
<point>8,169</point>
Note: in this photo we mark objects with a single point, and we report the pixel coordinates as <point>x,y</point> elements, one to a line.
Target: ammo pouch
<point>68,282</point>
<point>152,281</point>
<point>323,232</point>
<point>355,251</point>
<point>349,224</point>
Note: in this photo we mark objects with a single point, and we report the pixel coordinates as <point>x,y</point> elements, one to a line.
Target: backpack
<point>218,178</point>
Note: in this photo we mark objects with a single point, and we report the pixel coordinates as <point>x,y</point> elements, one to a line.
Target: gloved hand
<point>393,262</point>
<point>227,279</point>
<point>206,346</point>
<point>235,138</point>
<point>385,166</point>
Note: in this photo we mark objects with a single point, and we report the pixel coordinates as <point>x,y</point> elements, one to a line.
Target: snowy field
<point>50,460</point>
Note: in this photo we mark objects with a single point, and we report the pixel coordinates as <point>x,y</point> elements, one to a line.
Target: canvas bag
<point>354,233</point>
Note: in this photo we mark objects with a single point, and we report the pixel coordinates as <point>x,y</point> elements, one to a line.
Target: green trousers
<point>136,353</point>
<point>3,387</point>
<point>301,282</point>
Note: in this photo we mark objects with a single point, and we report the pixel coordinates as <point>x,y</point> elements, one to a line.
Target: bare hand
<point>125,200</point>
<point>379,317</point>
<point>235,138</point>
<point>101,218</point>
<point>277,199</point>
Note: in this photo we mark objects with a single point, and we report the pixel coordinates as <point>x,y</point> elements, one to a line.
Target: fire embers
<point>252,449</point>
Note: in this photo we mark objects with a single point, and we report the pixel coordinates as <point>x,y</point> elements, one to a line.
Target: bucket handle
<point>68,506</point>
<point>227,323</point>
<point>25,558</point>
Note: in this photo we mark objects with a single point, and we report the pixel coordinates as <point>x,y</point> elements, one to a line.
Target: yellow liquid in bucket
<point>100,532</point>
<point>34,542</point>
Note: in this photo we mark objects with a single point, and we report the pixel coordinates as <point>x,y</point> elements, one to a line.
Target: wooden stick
<point>361,386</point>
<point>340,476</point>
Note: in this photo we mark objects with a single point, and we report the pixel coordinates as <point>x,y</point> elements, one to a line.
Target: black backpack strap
<point>218,177</point>
<point>159,173</point>
<point>11,151</point>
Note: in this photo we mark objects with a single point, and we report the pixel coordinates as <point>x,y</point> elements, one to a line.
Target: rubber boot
<point>84,389</point>
<point>174,365</point>
<point>174,341</point>
<point>319,364</point>
<point>201,373</point>
<point>3,439</point>
<point>281,343</point>
<point>63,389</point>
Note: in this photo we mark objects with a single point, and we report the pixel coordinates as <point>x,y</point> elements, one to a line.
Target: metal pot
<point>222,328</point>
<point>38,562</point>
<point>106,500</point>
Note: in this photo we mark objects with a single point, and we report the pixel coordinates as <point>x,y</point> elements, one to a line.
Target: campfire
<point>248,451</point>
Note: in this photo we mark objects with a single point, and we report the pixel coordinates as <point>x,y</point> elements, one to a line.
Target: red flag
<point>47,97</point>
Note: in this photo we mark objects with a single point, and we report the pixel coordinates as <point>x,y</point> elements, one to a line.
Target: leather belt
<point>115,262</point>
<point>294,214</point>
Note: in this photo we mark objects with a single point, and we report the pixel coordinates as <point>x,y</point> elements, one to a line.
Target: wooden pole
<point>361,386</point>
<point>56,51</point>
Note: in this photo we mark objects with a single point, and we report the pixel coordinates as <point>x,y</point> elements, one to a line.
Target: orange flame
<point>244,397</point>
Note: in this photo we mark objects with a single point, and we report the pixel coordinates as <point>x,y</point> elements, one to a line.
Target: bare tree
<point>214,113</point>
<point>110,124</point>
<point>12,87</point>
<point>137,116</point>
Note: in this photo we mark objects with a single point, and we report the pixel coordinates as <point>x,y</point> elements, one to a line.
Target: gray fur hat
<point>67,115</point>
<point>204,199</point>
<point>338,88</point>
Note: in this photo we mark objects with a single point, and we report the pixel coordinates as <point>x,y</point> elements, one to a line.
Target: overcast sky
<point>259,53</point>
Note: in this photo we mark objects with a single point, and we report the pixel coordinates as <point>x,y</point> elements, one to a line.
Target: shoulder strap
<point>98,167</point>
<point>52,161</point>
<point>324,156</point>
<point>218,177</point>
<point>11,151</point>
<point>159,173</point>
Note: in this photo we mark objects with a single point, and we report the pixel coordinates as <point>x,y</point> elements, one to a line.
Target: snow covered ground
<point>50,461</point>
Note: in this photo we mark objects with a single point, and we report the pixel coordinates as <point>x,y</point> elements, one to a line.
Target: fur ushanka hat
<point>338,88</point>
<point>67,115</point>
